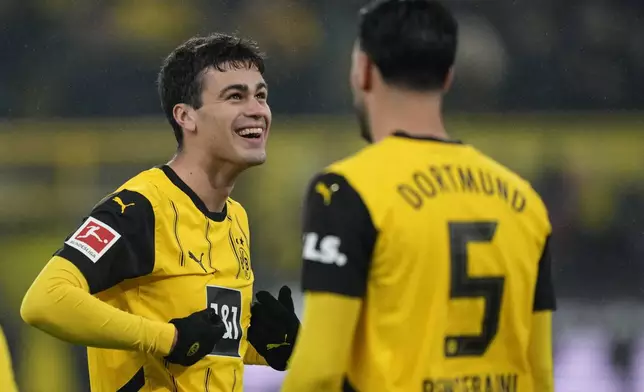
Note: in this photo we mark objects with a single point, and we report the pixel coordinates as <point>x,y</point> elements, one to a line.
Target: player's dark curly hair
<point>412,42</point>
<point>181,76</point>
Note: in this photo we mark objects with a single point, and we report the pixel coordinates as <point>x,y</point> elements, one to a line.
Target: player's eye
<point>235,97</point>
<point>261,96</point>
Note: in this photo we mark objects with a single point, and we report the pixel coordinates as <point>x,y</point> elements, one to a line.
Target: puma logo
<point>123,205</point>
<point>326,192</point>
<point>271,346</point>
<point>198,261</point>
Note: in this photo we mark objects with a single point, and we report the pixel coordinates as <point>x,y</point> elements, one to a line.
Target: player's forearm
<point>311,371</point>
<point>252,357</point>
<point>540,351</point>
<point>59,303</point>
<point>323,347</point>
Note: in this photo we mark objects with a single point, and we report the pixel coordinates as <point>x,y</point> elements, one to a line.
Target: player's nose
<point>256,110</point>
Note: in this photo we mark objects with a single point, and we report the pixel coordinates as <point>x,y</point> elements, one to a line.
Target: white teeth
<point>250,131</point>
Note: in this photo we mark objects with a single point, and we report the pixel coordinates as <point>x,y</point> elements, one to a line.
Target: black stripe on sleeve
<point>544,295</point>
<point>339,237</point>
<point>136,382</point>
<point>115,242</point>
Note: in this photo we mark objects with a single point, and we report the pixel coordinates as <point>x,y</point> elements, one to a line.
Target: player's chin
<point>254,159</point>
<point>249,157</point>
<point>250,151</point>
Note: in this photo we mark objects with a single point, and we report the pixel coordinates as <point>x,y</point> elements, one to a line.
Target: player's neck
<point>416,114</point>
<point>211,181</point>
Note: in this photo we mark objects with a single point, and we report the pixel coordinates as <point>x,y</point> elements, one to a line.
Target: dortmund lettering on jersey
<point>449,250</point>
<point>153,249</point>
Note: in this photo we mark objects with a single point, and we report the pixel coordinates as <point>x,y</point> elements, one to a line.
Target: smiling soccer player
<point>157,280</point>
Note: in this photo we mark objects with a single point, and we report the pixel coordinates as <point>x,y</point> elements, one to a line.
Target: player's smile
<point>254,135</point>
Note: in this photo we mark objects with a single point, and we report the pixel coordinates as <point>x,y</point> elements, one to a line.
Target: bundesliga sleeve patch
<point>93,239</point>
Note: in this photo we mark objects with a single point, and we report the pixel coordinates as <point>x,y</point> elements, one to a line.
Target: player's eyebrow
<point>261,85</point>
<point>237,87</point>
<point>242,87</point>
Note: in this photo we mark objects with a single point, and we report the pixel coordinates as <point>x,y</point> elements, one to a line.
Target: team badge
<point>240,247</point>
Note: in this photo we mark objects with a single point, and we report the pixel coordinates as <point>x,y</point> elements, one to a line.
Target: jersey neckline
<point>404,134</point>
<point>178,182</point>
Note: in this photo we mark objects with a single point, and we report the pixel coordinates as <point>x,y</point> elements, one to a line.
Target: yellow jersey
<point>153,249</point>
<point>7,380</point>
<point>448,250</point>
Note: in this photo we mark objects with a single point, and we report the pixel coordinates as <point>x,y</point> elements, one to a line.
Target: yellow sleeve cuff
<point>252,357</point>
<point>540,352</point>
<point>166,335</point>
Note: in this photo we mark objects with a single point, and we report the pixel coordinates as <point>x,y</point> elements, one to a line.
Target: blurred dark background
<point>97,58</point>
<point>552,89</point>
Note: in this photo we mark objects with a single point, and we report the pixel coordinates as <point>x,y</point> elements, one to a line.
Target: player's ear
<point>185,116</point>
<point>361,69</point>
<point>369,72</point>
<point>449,79</point>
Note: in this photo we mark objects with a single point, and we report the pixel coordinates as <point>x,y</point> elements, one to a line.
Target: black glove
<point>273,327</point>
<point>197,335</point>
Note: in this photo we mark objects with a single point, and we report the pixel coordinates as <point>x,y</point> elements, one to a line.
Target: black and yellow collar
<point>178,182</point>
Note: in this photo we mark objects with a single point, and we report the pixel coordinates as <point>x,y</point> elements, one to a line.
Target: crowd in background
<point>89,58</point>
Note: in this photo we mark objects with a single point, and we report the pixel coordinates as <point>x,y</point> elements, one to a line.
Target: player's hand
<point>273,327</point>
<point>197,335</point>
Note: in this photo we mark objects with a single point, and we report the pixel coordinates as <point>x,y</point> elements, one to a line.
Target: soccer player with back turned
<point>426,263</point>
<point>157,280</point>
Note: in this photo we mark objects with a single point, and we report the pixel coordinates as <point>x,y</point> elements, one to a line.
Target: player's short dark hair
<point>411,42</point>
<point>181,76</point>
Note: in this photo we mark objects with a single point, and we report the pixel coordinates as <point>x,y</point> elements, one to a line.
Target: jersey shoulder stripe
<point>115,241</point>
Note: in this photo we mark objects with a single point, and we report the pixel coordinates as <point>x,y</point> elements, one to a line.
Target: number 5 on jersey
<point>489,288</point>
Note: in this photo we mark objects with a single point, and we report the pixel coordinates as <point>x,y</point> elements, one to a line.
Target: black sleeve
<point>115,242</point>
<point>339,237</point>
<point>544,295</point>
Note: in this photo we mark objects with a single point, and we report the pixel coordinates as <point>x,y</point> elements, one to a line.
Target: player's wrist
<point>174,339</point>
<point>167,339</point>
